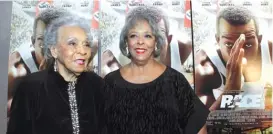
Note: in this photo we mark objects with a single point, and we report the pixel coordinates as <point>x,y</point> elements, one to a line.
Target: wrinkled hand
<point>235,65</point>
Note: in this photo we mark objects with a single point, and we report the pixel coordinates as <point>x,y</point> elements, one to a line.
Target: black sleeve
<point>105,92</point>
<point>194,112</point>
<point>20,114</point>
<point>101,105</point>
<point>14,87</point>
<point>198,117</point>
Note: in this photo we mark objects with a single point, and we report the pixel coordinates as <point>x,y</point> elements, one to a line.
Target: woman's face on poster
<point>163,29</point>
<point>141,41</point>
<point>39,40</point>
<point>73,48</point>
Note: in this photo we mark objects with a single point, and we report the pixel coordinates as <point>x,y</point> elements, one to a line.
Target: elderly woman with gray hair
<point>64,98</point>
<point>146,96</point>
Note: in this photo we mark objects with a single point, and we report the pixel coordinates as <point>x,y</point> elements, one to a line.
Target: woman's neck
<point>65,73</point>
<point>142,73</point>
<point>143,69</point>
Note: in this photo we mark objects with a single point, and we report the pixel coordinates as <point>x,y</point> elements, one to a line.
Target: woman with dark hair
<point>146,96</point>
<point>64,98</point>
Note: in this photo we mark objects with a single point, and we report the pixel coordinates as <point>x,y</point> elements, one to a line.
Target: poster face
<point>232,53</point>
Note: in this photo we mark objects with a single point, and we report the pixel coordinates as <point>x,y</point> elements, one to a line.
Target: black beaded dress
<point>166,105</point>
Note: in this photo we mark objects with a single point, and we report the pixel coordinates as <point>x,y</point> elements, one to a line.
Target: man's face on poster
<point>39,40</point>
<point>228,34</point>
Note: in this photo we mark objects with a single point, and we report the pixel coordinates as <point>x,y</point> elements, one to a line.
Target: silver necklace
<point>73,107</point>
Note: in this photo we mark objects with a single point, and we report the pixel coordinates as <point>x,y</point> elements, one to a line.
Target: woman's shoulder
<point>174,74</point>
<point>31,82</point>
<point>36,77</point>
<point>179,80</point>
<point>93,76</point>
<point>112,75</point>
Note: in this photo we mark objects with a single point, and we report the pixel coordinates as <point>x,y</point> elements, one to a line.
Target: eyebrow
<point>232,38</point>
<point>131,32</point>
<point>75,39</point>
<point>39,35</point>
<point>227,37</point>
<point>149,33</point>
<point>248,35</point>
<point>72,39</point>
<point>146,32</point>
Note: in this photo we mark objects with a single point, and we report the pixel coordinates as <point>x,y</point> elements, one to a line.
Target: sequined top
<point>167,105</point>
<point>42,105</point>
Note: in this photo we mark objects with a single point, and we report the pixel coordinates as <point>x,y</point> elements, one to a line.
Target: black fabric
<point>41,104</point>
<point>167,105</point>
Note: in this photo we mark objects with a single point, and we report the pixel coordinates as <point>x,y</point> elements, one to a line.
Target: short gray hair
<point>51,33</point>
<point>153,16</point>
